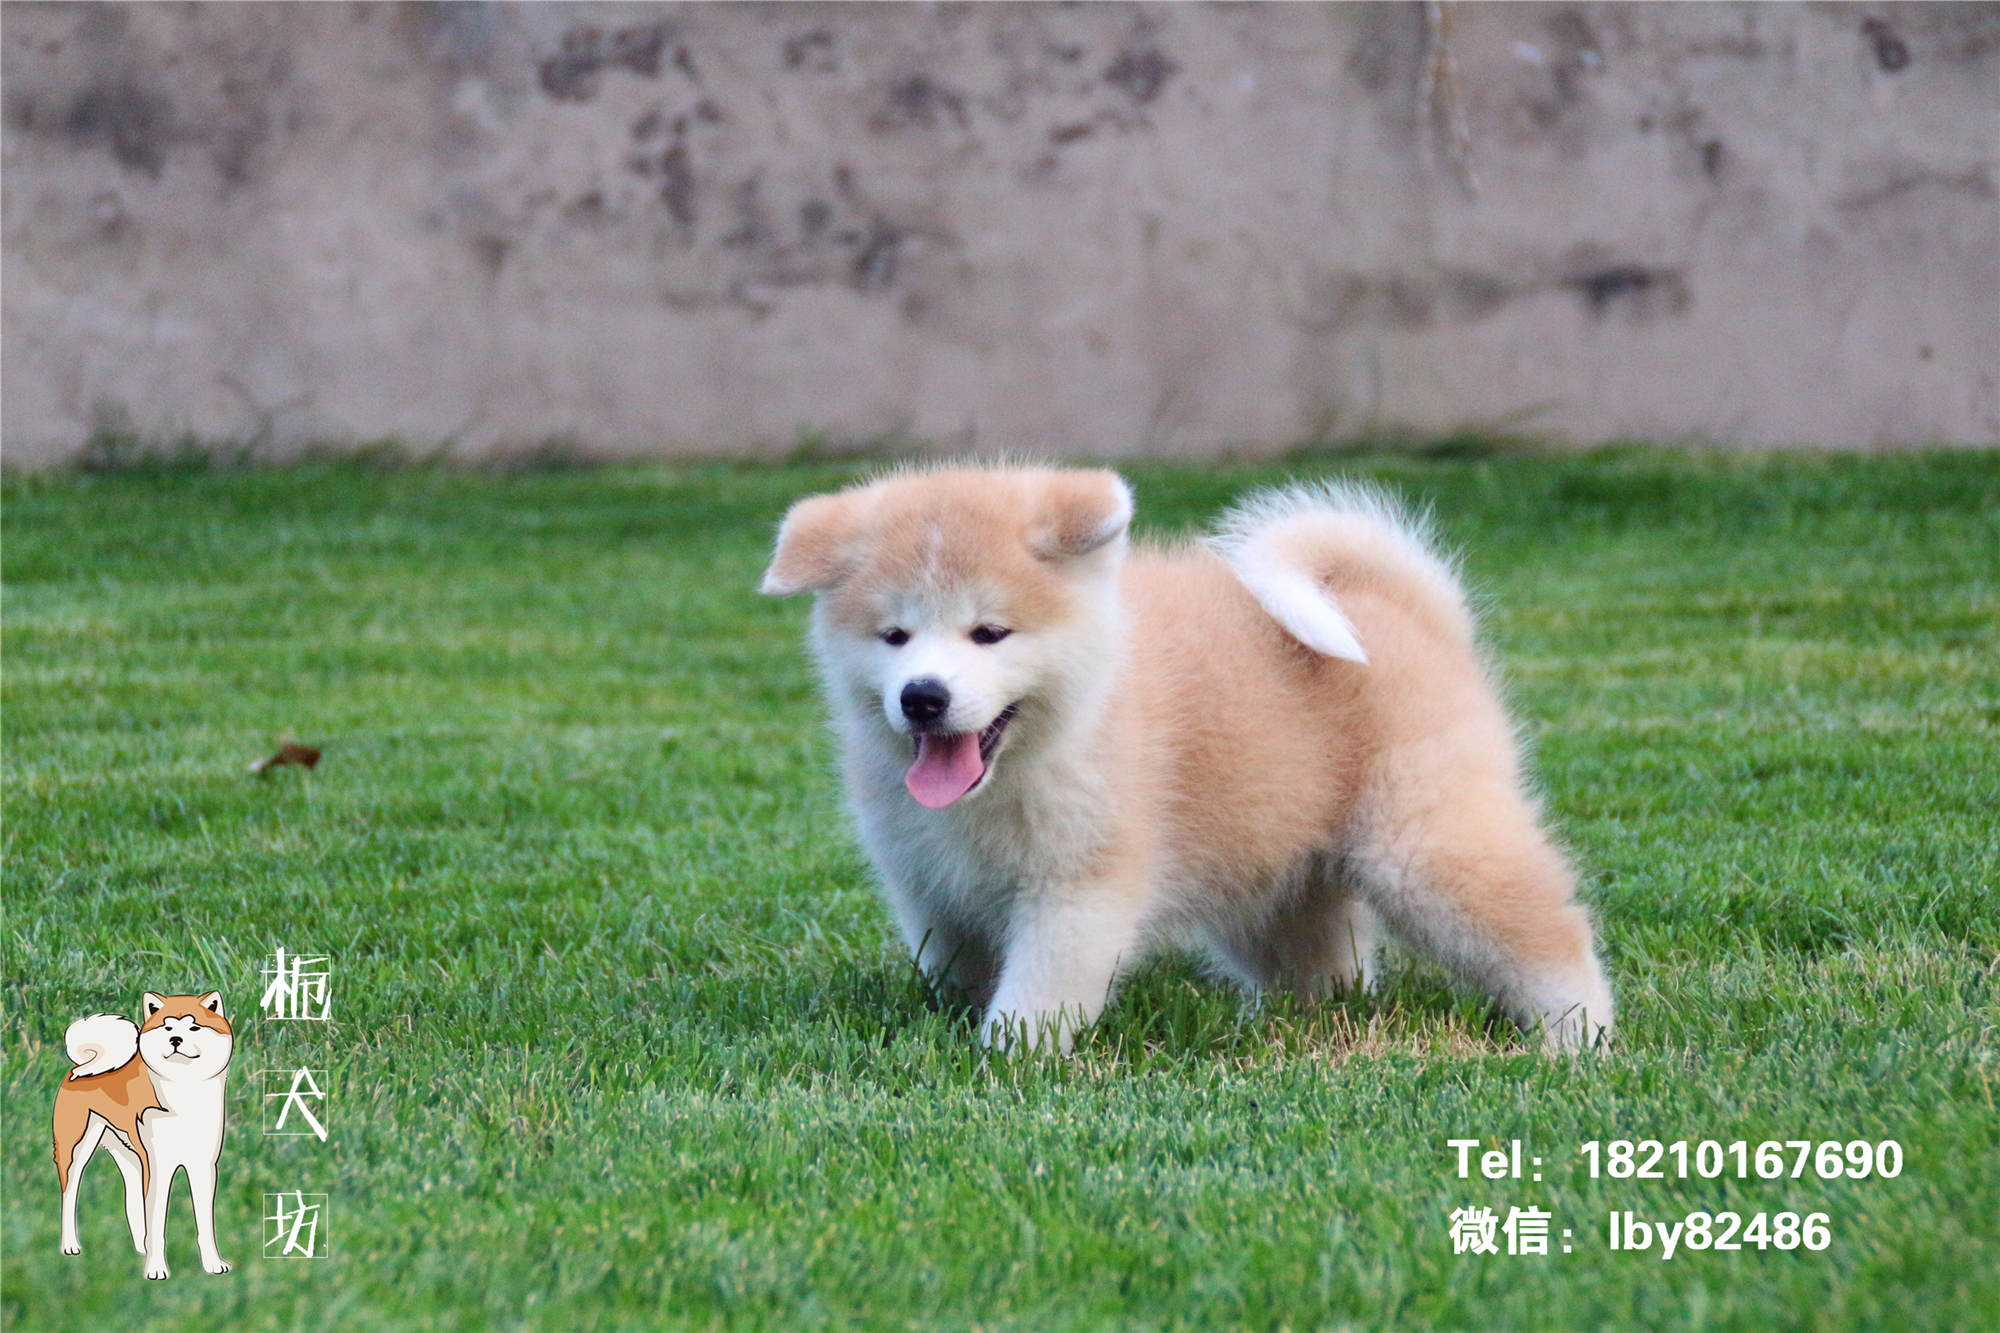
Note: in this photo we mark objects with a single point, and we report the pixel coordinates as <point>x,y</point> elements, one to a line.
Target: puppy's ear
<point>212,1002</point>
<point>1079,513</point>
<point>150,1004</point>
<point>814,546</point>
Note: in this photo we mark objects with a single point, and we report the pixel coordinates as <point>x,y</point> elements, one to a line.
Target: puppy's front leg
<point>201,1184</point>
<point>1064,950</point>
<point>943,949</point>
<point>135,1188</point>
<point>159,1180</point>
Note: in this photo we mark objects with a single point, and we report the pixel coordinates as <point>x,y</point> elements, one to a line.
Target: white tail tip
<point>1305,609</point>
<point>100,1043</point>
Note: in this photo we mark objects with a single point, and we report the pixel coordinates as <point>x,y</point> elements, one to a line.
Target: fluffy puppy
<point>1062,755</point>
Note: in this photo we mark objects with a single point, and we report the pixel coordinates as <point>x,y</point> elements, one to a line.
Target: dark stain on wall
<point>1892,53</point>
<point>1404,301</point>
<point>135,124</point>
<point>754,229</point>
<point>1899,182</point>
<point>1631,290</point>
<point>673,167</point>
<point>1141,72</point>
<point>491,252</point>
<point>1409,302</point>
<point>141,127</point>
<point>677,185</point>
<point>1575,53</point>
<point>917,101</point>
<point>1387,61</point>
<point>573,73</point>
<point>816,52</point>
<point>105,86</point>
<point>589,209</point>
<point>874,265</point>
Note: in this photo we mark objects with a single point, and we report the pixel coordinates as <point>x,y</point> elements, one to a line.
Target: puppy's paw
<point>218,1266</point>
<point>1036,1033</point>
<point>157,1270</point>
<point>71,1247</point>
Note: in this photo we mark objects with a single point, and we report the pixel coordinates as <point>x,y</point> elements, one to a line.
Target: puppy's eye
<point>989,634</point>
<point>895,638</point>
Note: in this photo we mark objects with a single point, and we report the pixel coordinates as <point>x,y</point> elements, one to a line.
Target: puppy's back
<point>1256,739</point>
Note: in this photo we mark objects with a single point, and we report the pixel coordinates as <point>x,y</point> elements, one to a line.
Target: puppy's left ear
<point>151,1003</point>
<point>1080,512</point>
<point>212,1002</point>
<point>814,545</point>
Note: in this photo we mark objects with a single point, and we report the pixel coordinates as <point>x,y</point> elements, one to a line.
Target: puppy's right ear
<point>814,546</point>
<point>150,1004</point>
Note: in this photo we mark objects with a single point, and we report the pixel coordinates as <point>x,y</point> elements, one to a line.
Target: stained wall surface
<point>1101,229</point>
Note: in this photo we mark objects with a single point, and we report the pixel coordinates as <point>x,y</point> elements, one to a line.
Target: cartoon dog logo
<point>158,1114</point>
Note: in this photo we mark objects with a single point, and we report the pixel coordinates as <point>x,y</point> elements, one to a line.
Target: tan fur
<point>1182,769</point>
<point>120,1096</point>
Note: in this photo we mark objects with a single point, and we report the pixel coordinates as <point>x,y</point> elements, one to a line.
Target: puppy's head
<point>952,603</point>
<point>185,1036</point>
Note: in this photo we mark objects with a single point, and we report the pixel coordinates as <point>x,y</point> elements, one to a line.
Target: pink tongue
<point>945,770</point>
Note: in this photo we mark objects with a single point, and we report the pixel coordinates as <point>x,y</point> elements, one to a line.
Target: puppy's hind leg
<point>79,1157</point>
<point>1321,942</point>
<point>1477,885</point>
<point>1329,942</point>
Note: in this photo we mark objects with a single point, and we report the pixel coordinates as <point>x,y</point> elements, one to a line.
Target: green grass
<point>623,1038</point>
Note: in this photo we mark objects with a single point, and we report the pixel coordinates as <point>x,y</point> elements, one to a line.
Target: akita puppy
<point>1063,756</point>
<point>157,1114</point>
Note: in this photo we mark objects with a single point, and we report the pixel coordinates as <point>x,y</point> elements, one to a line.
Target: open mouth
<point>950,764</point>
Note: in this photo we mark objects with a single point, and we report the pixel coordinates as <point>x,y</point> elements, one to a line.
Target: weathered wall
<point>1104,228</point>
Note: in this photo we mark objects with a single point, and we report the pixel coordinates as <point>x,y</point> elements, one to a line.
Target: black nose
<point>925,700</point>
<point>173,1041</point>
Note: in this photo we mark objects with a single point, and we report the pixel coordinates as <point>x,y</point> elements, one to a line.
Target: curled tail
<point>100,1043</point>
<point>1296,548</point>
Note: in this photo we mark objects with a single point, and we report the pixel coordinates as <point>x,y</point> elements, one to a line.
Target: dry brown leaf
<point>291,752</point>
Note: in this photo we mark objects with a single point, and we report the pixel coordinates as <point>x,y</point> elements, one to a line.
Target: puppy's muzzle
<point>924,701</point>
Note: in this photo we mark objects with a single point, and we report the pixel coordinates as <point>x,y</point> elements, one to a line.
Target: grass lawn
<point>623,1038</point>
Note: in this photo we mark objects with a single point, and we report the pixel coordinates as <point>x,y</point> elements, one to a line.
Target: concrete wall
<point>1107,229</point>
